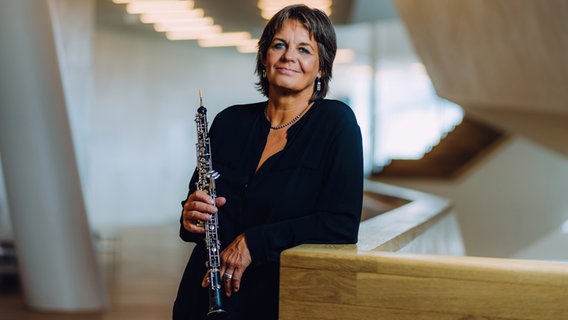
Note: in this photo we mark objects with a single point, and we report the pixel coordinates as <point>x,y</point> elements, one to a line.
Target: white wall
<point>132,116</point>
<point>508,201</point>
<point>142,149</point>
<point>142,136</point>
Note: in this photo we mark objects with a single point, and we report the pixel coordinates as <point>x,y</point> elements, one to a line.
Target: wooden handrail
<point>393,229</point>
<point>339,282</point>
<point>366,281</point>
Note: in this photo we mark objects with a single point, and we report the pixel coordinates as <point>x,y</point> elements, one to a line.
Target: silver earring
<point>264,73</point>
<point>318,84</point>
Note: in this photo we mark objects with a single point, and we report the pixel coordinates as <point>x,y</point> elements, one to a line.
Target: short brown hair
<point>318,25</point>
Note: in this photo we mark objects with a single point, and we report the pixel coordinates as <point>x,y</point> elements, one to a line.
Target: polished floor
<point>142,268</point>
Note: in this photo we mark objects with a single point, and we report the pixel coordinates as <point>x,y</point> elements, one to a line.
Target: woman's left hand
<point>235,259</point>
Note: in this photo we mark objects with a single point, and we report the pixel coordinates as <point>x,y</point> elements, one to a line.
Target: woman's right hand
<point>199,207</point>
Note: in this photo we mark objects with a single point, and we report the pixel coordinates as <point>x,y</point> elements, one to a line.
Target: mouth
<point>286,70</point>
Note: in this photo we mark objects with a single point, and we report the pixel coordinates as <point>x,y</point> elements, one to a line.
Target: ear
<point>319,74</point>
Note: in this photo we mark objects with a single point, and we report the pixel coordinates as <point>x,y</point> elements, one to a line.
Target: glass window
<point>399,112</point>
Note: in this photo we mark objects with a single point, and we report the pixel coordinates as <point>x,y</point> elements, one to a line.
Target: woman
<point>291,172</point>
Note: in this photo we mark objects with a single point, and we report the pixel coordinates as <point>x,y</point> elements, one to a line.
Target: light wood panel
<point>365,281</point>
<point>343,283</point>
<point>392,230</point>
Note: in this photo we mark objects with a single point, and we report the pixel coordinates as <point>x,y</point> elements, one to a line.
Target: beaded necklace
<point>296,118</point>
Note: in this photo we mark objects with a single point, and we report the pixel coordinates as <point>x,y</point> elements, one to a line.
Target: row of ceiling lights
<point>180,20</point>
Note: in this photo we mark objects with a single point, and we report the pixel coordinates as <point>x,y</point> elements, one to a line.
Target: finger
<point>201,195</point>
<point>191,221</point>
<point>205,281</point>
<point>236,281</point>
<point>194,212</point>
<point>199,207</point>
<point>228,282</point>
<point>220,201</point>
<point>192,226</point>
<point>196,216</point>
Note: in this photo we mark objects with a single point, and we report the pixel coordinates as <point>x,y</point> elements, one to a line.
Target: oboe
<point>206,182</point>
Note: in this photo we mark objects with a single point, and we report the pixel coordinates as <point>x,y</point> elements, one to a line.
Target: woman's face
<point>292,60</point>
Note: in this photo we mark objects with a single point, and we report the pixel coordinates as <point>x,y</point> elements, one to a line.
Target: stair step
<point>448,158</point>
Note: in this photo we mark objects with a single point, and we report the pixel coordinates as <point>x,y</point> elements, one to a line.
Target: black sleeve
<point>338,210</point>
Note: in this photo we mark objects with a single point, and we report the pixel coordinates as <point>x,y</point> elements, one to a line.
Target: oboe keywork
<point>206,182</point>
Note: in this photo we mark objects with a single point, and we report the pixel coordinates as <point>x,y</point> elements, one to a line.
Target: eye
<point>279,45</point>
<point>304,50</point>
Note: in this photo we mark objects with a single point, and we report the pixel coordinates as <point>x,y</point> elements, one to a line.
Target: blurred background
<point>131,89</point>
<point>132,95</point>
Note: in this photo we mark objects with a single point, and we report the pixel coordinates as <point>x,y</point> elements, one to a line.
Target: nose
<point>288,54</point>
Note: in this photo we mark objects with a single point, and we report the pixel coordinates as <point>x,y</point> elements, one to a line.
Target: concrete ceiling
<point>243,15</point>
<point>502,61</point>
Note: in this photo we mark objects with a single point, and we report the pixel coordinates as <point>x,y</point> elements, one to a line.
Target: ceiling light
<point>154,17</point>
<point>194,34</point>
<point>158,6</point>
<point>206,30</point>
<point>179,21</point>
<point>282,3</point>
<point>183,25</point>
<point>267,14</point>
<point>224,39</point>
<point>269,7</point>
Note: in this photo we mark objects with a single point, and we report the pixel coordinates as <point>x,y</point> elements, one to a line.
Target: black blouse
<point>310,192</point>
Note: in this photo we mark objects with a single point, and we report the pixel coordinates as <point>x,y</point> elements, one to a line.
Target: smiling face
<point>292,60</point>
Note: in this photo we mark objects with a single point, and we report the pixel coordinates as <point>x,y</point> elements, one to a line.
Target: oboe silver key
<point>206,182</point>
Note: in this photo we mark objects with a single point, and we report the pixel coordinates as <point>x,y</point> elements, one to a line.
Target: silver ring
<point>228,276</point>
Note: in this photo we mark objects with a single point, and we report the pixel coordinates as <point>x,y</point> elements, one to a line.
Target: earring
<point>264,73</point>
<point>318,84</point>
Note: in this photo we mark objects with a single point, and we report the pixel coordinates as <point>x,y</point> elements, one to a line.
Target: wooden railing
<point>409,264</point>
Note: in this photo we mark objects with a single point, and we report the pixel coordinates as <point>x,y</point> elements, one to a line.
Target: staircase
<point>467,142</point>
